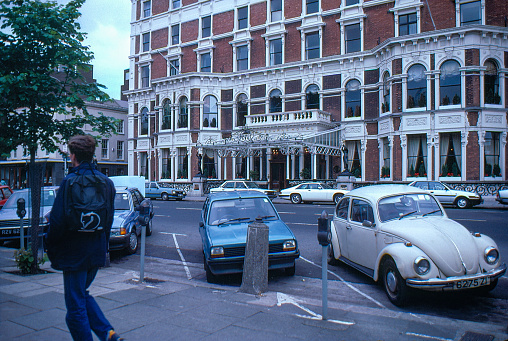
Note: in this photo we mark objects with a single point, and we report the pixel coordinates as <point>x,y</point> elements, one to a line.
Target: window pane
<point>491,83</point>
<point>175,34</point>
<point>353,99</point>
<point>407,24</point>
<point>174,67</point>
<point>145,76</point>
<point>312,97</point>
<point>312,45</point>
<point>146,42</point>
<point>242,57</point>
<point>312,6</point>
<point>275,101</point>
<point>176,4</point>
<point>276,10</point>
<point>144,121</point>
<point>206,63</point>
<point>351,2</point>
<point>206,27</point>
<point>416,87</point>
<point>276,52</point>
<point>450,85</point>
<point>146,8</point>
<point>353,38</point>
<point>210,111</point>
<point>470,13</point>
<point>241,110</point>
<point>243,17</point>
<point>166,115</point>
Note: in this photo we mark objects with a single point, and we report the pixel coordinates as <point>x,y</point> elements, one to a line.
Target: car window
<point>5,193</point>
<point>240,185</point>
<point>342,208</point>
<point>47,199</point>
<point>422,184</point>
<point>122,201</point>
<point>304,186</point>
<point>437,186</point>
<point>361,210</point>
<point>153,185</point>
<point>325,186</point>
<point>229,185</point>
<point>147,185</point>
<point>251,184</point>
<point>313,186</point>
<point>135,200</point>
<point>407,204</point>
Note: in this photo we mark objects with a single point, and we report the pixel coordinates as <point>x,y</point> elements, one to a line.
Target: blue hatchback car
<point>223,227</point>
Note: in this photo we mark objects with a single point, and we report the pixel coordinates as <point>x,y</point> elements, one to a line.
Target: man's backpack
<point>86,204</point>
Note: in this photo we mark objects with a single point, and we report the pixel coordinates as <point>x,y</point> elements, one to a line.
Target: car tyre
<point>462,202</point>
<point>210,277</point>
<point>296,198</point>
<point>149,228</point>
<point>331,255</point>
<point>394,285</point>
<point>337,198</point>
<point>165,196</point>
<point>133,244</point>
<point>291,270</point>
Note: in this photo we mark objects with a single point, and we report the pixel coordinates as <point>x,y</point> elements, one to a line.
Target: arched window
<point>491,83</point>
<point>242,109</point>
<point>385,106</point>
<point>353,99</point>
<point>275,101</point>
<point>312,97</point>
<point>210,112</point>
<point>416,87</point>
<point>166,114</point>
<point>183,113</point>
<point>144,121</point>
<point>449,83</point>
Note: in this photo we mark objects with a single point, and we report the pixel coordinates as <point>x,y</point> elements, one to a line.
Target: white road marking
<point>470,219</point>
<point>188,208</point>
<point>286,299</point>
<point>428,336</point>
<point>346,283</point>
<point>308,224</point>
<point>286,212</point>
<point>175,234</point>
<point>187,271</point>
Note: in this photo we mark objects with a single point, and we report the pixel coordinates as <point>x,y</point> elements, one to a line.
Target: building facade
<point>277,90</point>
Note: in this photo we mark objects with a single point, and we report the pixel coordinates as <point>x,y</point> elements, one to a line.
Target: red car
<point>5,193</point>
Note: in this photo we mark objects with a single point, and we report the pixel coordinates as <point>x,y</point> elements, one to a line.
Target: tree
<point>42,80</point>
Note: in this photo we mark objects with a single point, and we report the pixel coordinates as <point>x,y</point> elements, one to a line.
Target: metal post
<point>143,238</point>
<point>324,276</point>
<point>21,234</point>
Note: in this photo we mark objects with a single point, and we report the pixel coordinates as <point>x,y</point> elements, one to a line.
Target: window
<point>119,150</point>
<point>416,87</point>
<point>144,121</point>
<point>275,52</point>
<point>146,42</point>
<point>145,76</point>
<point>470,13</point>
<point>243,17</point>
<point>175,34</point>
<point>166,164</point>
<point>450,154</point>
<point>147,8</point>
<point>183,162</point>
<point>343,208</point>
<point>360,211</point>
<point>276,10</point>
<point>492,153</point>
<point>210,112</point>
<point>385,168</point>
<point>407,24</point>
<point>183,117</point>
<point>491,83</point>
<point>417,155</point>
<point>241,167</point>
<point>206,62</point>
<point>104,149</point>
<point>119,126</point>
<point>449,83</point>
<point>351,2</point>
<point>312,46</point>
<point>176,4</point>
<point>174,67</point>
<point>242,57</point>
<point>385,105</point>
<point>241,110</point>
<point>312,6</point>
<point>312,97</point>
<point>353,38</point>
<point>209,165</point>
<point>354,160</point>
<point>166,114</point>
<point>206,27</point>
<point>275,101</point>
<point>353,99</point>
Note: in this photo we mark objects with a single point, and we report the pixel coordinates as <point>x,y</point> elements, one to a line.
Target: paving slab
<point>10,330</point>
<point>41,320</point>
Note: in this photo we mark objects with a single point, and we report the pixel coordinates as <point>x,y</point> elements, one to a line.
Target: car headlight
<point>289,245</point>
<point>491,255</point>
<point>173,192</point>
<point>421,266</point>
<point>217,251</point>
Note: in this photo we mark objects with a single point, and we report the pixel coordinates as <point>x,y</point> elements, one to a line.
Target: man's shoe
<point>113,336</point>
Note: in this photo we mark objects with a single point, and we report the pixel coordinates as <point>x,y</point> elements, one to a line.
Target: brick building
<point>282,89</point>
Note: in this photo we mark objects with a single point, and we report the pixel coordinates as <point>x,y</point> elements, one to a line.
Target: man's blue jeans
<point>83,313</point>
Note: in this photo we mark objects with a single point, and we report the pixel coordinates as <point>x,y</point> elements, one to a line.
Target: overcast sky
<point>107,24</point>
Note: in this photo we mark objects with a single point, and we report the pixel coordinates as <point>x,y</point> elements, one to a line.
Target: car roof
<point>235,195</point>
<point>44,188</point>
<point>375,192</point>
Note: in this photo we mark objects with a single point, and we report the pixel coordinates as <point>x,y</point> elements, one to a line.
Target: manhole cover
<point>472,336</point>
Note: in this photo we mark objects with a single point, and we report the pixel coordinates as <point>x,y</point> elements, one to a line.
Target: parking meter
<point>324,235</point>
<point>21,211</point>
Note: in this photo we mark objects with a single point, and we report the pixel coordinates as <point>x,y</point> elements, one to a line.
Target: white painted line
<point>428,337</point>
<point>175,234</point>
<point>308,224</point>
<point>346,283</point>
<point>470,219</point>
<point>286,212</point>
<point>188,208</point>
<point>187,271</point>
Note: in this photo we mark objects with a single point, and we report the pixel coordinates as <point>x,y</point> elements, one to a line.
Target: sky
<point>107,24</point>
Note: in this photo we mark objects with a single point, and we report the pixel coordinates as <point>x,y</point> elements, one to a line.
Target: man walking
<point>79,251</point>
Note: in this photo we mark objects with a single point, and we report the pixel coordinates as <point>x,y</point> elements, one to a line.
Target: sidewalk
<point>173,304</point>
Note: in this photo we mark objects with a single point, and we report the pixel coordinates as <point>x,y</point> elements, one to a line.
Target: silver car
<point>449,196</point>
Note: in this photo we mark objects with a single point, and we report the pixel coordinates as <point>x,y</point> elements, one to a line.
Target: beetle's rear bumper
<point>436,284</point>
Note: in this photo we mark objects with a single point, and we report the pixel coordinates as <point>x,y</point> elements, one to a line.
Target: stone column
<point>255,265</point>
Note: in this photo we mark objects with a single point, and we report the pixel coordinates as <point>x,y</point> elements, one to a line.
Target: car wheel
<point>462,202</point>
<point>337,198</point>
<point>296,198</point>
<point>210,277</point>
<point>132,246</point>
<point>165,196</point>
<point>149,228</point>
<point>291,270</point>
<point>394,284</point>
<point>331,255</point>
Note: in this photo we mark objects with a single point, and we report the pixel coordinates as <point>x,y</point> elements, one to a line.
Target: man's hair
<point>83,147</point>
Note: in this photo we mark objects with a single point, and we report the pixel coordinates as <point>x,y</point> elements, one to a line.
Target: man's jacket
<point>74,251</point>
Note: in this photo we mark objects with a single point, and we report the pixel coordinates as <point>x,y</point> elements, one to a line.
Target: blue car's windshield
<point>122,201</point>
<point>400,206</point>
<point>240,210</point>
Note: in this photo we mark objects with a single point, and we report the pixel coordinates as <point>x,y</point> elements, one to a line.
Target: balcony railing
<point>289,117</point>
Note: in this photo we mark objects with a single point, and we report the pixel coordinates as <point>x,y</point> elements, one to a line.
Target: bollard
<point>255,264</point>
<point>324,237</point>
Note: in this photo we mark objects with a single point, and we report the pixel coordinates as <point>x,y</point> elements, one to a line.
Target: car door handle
<point>348,227</point>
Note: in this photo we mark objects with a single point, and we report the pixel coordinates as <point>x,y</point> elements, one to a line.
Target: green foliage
<point>497,170</point>
<point>254,175</point>
<point>488,169</point>
<point>24,260</point>
<point>305,173</point>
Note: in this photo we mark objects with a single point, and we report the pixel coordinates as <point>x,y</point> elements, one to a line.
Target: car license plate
<point>471,283</point>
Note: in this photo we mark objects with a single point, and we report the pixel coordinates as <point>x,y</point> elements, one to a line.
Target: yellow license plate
<point>471,283</point>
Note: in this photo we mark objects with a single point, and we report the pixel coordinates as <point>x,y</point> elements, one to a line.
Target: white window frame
<point>170,64</point>
<point>142,45</point>
<point>238,18</point>
<point>122,149</point>
<point>269,12</point>
<point>201,26</point>
<point>105,147</point>
<point>144,15</point>
<point>268,45</point>
<point>343,25</point>
<point>141,68</point>
<point>458,14</point>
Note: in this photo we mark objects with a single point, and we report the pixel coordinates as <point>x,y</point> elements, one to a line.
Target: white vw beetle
<point>401,236</point>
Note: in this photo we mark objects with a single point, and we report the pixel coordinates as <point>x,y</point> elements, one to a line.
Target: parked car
<point>5,193</point>
<point>241,185</point>
<point>312,191</point>
<point>155,190</point>
<point>401,236</point>
<point>449,196</point>
<point>131,211</point>
<point>502,196</point>
<point>223,228</point>
<point>9,220</point>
